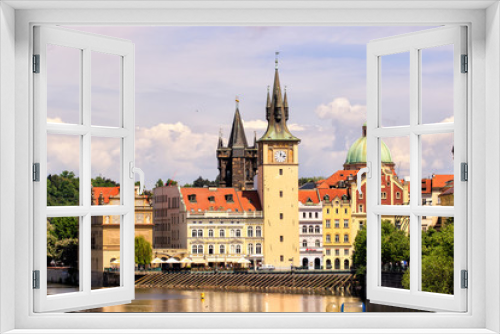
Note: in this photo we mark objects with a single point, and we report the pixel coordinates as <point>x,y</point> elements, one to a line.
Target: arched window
<point>337,238</point>
<point>193,233</point>
<point>210,249</point>
<point>328,264</point>
<point>210,233</point>
<point>316,229</point>
<point>232,233</point>
<point>311,229</point>
<point>194,250</point>
<point>238,233</point>
<point>222,233</point>
<point>200,233</point>
<point>200,249</point>
<point>238,249</point>
<point>250,249</point>
<point>222,249</point>
<point>258,249</point>
<point>250,231</point>
<point>258,232</point>
<point>346,237</point>
<point>232,249</point>
<point>304,229</point>
<point>328,238</point>
<point>337,264</point>
<point>317,243</point>
<point>346,264</point>
<point>304,243</point>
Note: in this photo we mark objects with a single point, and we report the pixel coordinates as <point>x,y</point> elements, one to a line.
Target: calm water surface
<point>175,300</point>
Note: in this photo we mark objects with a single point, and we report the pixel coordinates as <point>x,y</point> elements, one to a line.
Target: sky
<point>187,79</point>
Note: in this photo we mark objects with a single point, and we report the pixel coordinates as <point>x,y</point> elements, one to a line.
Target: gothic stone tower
<point>278,170</point>
<point>237,162</point>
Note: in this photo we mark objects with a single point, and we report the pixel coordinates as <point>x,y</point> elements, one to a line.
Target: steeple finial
<point>276,59</point>
<point>237,99</point>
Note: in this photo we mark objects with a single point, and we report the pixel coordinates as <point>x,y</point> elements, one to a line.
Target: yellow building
<point>338,230</point>
<point>105,231</point>
<point>278,172</point>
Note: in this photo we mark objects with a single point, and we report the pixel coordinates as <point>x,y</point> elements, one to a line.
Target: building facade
<point>310,230</point>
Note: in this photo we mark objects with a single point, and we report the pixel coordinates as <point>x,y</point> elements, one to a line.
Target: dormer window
<point>192,198</point>
<point>211,199</point>
<point>229,198</point>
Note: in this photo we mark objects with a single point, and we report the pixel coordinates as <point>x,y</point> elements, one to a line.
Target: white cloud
<point>55,120</point>
<point>340,110</point>
<point>259,124</point>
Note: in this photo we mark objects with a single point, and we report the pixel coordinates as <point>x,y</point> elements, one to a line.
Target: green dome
<point>357,152</point>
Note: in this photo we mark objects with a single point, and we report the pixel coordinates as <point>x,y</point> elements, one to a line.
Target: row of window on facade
<point>336,210</point>
<point>173,202</point>
<point>232,233</point>
<point>233,249</point>
<point>383,195</point>
<point>337,252</point>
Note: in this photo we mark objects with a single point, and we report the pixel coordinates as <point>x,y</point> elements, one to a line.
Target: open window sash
<point>85,295</point>
<point>414,43</point>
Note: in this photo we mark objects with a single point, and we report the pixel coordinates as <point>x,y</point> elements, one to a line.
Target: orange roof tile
<point>332,193</point>
<point>106,193</point>
<point>210,199</point>
<point>439,181</point>
<point>340,175</point>
<point>426,186</point>
<point>306,195</point>
<point>250,200</point>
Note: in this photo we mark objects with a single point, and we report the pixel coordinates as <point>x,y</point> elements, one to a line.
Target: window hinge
<point>36,172</point>
<point>36,279</point>
<point>36,63</point>
<point>465,64</point>
<point>465,279</point>
<point>464,171</point>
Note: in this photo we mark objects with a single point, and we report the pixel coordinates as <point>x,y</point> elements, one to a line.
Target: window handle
<point>134,170</point>
<point>368,171</point>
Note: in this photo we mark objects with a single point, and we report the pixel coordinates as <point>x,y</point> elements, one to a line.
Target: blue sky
<point>187,79</point>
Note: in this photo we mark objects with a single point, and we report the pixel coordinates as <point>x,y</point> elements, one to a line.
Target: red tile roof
<point>106,193</point>
<point>210,199</point>
<point>340,175</point>
<point>426,186</point>
<point>306,195</point>
<point>332,193</point>
<point>439,181</point>
<point>250,200</point>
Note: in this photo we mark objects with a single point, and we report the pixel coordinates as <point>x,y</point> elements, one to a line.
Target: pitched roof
<point>332,193</point>
<point>218,199</point>
<point>237,137</point>
<point>448,191</point>
<point>106,193</point>
<point>308,196</point>
<point>340,175</point>
<point>439,181</point>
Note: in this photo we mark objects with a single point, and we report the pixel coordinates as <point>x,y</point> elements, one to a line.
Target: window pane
<point>395,89</point>
<point>437,169</point>
<point>395,252</point>
<point>63,84</point>
<point>63,166</point>
<point>395,170</point>
<point>437,254</point>
<point>106,89</point>
<point>105,251</point>
<point>63,274</point>
<point>106,170</point>
<point>437,84</point>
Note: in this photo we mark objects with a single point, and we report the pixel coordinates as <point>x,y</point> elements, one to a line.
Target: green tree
<point>159,183</point>
<point>201,182</point>
<point>104,182</point>
<point>304,180</point>
<point>143,251</point>
<point>359,256</point>
<point>63,189</point>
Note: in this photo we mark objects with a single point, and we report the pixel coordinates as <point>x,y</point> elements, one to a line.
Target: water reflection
<point>173,300</point>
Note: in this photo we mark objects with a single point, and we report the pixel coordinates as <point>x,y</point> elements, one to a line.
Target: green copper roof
<point>357,152</point>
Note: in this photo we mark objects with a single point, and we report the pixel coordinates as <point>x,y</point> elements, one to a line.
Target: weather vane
<point>276,59</point>
<point>237,99</point>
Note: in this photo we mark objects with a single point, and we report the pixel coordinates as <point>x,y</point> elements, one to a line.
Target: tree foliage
<point>437,259</point>
<point>63,189</point>
<point>143,251</point>
<point>304,180</point>
<point>104,182</point>
<point>159,183</point>
<point>201,182</point>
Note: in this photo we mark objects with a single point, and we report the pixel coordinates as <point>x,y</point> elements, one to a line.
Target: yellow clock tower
<point>277,177</point>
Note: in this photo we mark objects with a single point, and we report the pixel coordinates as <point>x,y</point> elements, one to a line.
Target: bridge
<point>285,282</point>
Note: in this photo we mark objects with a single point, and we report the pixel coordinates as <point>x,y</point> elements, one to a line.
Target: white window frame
<point>15,40</point>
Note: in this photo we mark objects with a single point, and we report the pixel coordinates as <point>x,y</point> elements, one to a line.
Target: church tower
<point>237,162</point>
<point>278,174</point>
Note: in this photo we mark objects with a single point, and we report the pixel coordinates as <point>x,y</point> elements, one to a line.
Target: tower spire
<point>268,105</point>
<point>237,137</point>
<point>285,102</point>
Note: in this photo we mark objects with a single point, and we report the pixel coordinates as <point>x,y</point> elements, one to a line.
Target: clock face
<point>280,156</point>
